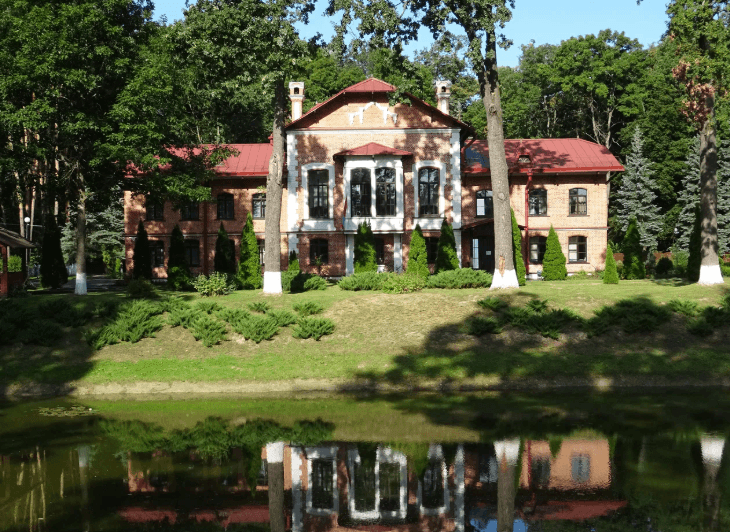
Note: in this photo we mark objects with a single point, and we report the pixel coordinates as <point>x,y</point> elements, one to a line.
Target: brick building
<point>356,158</point>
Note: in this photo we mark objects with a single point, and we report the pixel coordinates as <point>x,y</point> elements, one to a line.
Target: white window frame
<point>377,223</point>
<point>322,453</point>
<point>435,454</point>
<point>318,224</point>
<point>384,455</point>
<point>430,223</point>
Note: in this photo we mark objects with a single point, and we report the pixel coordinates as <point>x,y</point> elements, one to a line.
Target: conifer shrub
<point>684,306</point>
<point>208,330</point>
<point>315,282</point>
<point>105,309</point>
<point>293,265</point>
<point>610,273</point>
<point>178,269</point>
<point>15,264</point>
<point>313,327</point>
<point>53,267</point>
<point>259,306</point>
<point>365,260</point>
<point>634,267</point>
<point>249,268</point>
<point>44,332</point>
<point>363,281</point>
<point>256,328</point>
<point>63,313</point>
<point>403,283</point>
<point>181,317</point>
<point>492,303</point>
<point>224,260</point>
<point>694,261</point>
<point>725,269</point>
<point>417,255</point>
<point>479,325</point>
<point>142,257</point>
<point>699,326</point>
<point>553,262</point>
<point>446,257</point>
<point>538,305</point>
<point>134,321</point>
<point>217,284</point>
<point>517,250</point>
<point>209,307</point>
<point>664,267</point>
<point>141,289</point>
<point>460,278</point>
<point>282,318</point>
<point>307,308</point>
<point>638,315</point>
<point>232,315</point>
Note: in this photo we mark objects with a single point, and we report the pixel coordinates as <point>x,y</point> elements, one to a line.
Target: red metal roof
<point>252,160</point>
<point>370,85</point>
<point>545,155</point>
<point>373,148</point>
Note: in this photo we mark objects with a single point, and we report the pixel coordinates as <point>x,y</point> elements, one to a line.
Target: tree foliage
<point>178,269</point>
<point>417,255</point>
<point>610,274</point>
<point>224,260</point>
<point>53,267</point>
<point>446,257</point>
<point>517,249</point>
<point>249,267</point>
<point>142,257</point>
<point>365,260</point>
<point>632,249</point>
<point>553,262</point>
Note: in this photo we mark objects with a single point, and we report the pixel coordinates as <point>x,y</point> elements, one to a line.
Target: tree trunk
<point>275,464</point>
<point>274,190</point>
<point>81,241</point>
<point>505,495</point>
<point>710,272</point>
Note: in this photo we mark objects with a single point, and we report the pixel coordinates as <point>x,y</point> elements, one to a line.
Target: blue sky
<point>538,20</point>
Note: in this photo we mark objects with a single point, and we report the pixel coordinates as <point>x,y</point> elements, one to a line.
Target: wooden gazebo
<point>8,280</point>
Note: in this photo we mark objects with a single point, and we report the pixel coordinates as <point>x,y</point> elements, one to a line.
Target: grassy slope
<point>398,337</point>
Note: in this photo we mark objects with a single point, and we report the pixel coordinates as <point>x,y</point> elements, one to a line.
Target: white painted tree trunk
<point>710,273</point>
<point>508,280</point>
<point>272,283</point>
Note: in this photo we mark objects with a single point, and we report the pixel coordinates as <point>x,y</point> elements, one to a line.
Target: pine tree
<point>224,260</point>
<point>53,268</point>
<point>446,257</point>
<point>517,249</point>
<point>142,257</point>
<point>417,257</point>
<point>694,261</point>
<point>249,267</point>
<point>632,249</point>
<point>610,274</point>
<point>553,262</point>
<point>178,269</point>
<point>636,196</point>
<point>689,197</point>
<point>365,260</point>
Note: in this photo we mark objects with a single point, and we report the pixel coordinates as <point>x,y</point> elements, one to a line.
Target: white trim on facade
<point>377,223</point>
<point>379,132</point>
<point>296,489</point>
<point>398,253</point>
<point>384,455</point>
<point>317,224</point>
<point>435,454</point>
<point>349,254</point>
<point>456,181</point>
<point>385,109</point>
<point>322,453</point>
<point>292,160</point>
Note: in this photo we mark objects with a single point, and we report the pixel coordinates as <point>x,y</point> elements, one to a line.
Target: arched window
<point>385,192</point>
<point>577,249</point>
<point>225,206</point>
<point>538,202</point>
<point>318,251</point>
<point>428,192</point>
<point>485,204</point>
<point>360,191</point>
<point>578,201</point>
<point>319,194</point>
<point>537,249</point>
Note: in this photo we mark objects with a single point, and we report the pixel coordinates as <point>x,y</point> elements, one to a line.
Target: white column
<point>398,253</point>
<point>296,490</point>
<point>457,239</point>
<point>459,469</point>
<point>349,254</point>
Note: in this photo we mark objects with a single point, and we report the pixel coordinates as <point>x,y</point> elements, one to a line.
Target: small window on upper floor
<point>190,210</point>
<point>538,202</point>
<point>385,192</point>
<point>258,206</point>
<point>578,201</point>
<point>225,206</point>
<point>319,194</point>
<point>428,192</point>
<point>485,204</point>
<point>155,208</point>
<point>360,192</point>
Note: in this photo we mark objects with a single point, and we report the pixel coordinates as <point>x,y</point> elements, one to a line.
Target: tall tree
<point>689,197</point>
<point>224,260</point>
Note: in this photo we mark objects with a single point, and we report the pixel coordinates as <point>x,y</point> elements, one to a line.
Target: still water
<point>530,462</point>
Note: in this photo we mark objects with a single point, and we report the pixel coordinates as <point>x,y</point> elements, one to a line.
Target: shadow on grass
<point>672,281</point>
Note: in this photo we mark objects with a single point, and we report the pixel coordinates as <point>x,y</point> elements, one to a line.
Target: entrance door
<point>483,253</point>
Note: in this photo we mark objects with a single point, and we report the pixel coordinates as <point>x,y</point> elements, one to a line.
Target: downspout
<point>527,221</point>
<point>205,238</point>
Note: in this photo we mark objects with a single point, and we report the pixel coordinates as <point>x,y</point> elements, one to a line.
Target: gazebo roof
<point>14,240</point>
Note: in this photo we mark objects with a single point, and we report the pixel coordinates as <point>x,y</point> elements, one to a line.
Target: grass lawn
<point>411,338</point>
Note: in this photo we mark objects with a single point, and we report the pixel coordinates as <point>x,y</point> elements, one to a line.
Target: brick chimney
<point>296,95</point>
<point>443,95</point>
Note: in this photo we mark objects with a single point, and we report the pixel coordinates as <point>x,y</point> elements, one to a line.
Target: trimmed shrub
<point>634,267</point>
<point>403,283</point>
<point>215,285</point>
<point>313,328</point>
<point>417,255</point>
<point>365,260</point>
<point>517,251</point>
<point>293,265</point>
<point>610,275</point>
<point>142,257</point>
<point>446,257</point>
<point>553,262</point>
<point>232,315</point>
<point>15,264</point>
<point>208,330</point>
<point>296,282</point>
<point>282,317</point>
<point>315,282</point>
<point>307,308</point>
<point>224,260</point>
<point>363,281</point>
<point>259,306</point>
<point>694,261</point>
<point>256,328</point>
<point>249,267</point>
<point>460,278</point>
<point>664,267</point>
<point>178,269</point>
<point>53,267</point>
<point>141,289</point>
<point>479,325</point>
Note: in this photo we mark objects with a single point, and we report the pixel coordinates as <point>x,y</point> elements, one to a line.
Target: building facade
<point>357,158</point>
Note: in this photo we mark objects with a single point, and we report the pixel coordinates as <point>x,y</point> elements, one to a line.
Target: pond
<point>581,461</point>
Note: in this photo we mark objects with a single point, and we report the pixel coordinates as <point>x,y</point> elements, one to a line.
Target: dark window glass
<point>259,206</point>
<point>577,249</point>
<point>262,248</point>
<point>322,485</point>
<point>190,211</point>
<point>360,192</point>
<point>432,246</point>
<point>389,487</point>
<point>318,250</point>
<point>578,201</point>
<point>364,482</point>
<point>541,472</point>
<point>263,477</point>
<point>428,192</point>
<point>225,206</point>
<point>433,486</point>
<point>192,252</point>
<point>538,202</point>
<point>385,192</point>
<point>537,249</point>
<point>580,468</point>
<point>319,194</point>
<point>488,470</point>
<point>157,253</point>
<point>485,204</point>
<point>154,208</point>
<point>380,250</point>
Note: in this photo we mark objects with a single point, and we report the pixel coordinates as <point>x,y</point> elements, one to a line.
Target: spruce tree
<point>553,262</point>
<point>446,257</point>
<point>224,260</point>
<point>632,249</point>
<point>249,267</point>
<point>293,262</point>
<point>689,197</point>
<point>517,249</point>
<point>365,260</point>
<point>610,274</point>
<point>417,254</point>
<point>178,269</point>
<point>53,269</point>
<point>694,261</point>
<point>723,199</point>
<point>142,257</point>
<point>636,196</point>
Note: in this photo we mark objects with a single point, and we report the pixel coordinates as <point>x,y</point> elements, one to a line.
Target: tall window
<point>380,250</point>
<point>485,204</point>
<point>428,192</point>
<point>318,251</point>
<point>259,206</point>
<point>578,201</point>
<point>157,253</point>
<point>154,208</point>
<point>389,487</point>
<point>432,246</point>
<point>577,249</point>
<point>364,484</point>
<point>323,489</point>
<point>262,249</point>
<point>225,206</point>
<point>538,202</point>
<point>433,486</point>
<point>537,249</point>
<point>192,252</point>
<point>319,194</point>
<point>360,192</point>
<point>385,192</point>
<point>580,468</point>
<point>190,210</point>
<point>541,472</point>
